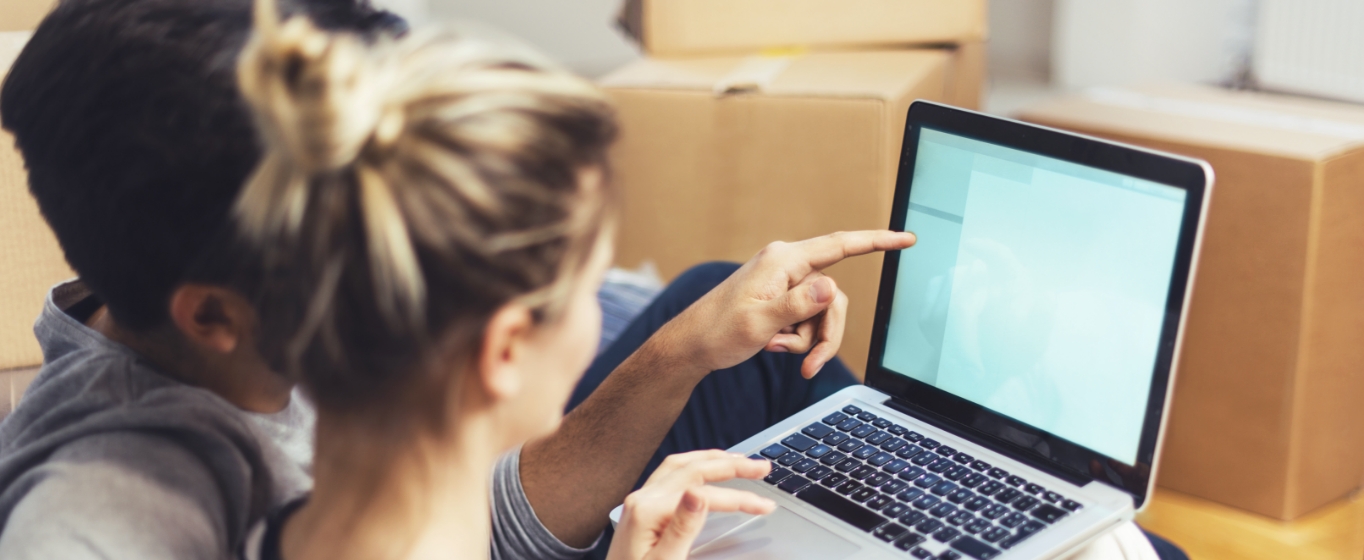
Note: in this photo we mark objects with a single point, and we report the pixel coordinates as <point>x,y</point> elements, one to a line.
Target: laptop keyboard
<point>909,490</point>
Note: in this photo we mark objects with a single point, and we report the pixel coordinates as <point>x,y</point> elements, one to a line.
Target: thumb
<point>676,541</point>
<point>806,300</point>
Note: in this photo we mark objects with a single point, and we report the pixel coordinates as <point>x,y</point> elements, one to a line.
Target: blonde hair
<point>409,186</point>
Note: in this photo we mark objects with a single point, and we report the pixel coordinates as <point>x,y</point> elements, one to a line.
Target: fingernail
<point>821,291</point>
<point>911,236</point>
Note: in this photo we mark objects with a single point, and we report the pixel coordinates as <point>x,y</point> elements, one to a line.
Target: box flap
<point>866,74</point>
<point>1249,121</point>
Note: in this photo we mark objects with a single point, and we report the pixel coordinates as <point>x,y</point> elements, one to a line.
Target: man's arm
<point>779,301</point>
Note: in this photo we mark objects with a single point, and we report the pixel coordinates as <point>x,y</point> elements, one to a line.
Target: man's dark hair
<point>136,138</point>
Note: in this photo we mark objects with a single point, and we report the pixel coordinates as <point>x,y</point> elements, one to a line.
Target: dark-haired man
<point>155,430</point>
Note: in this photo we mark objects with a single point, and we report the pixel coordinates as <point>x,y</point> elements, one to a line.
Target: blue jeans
<point>729,405</point>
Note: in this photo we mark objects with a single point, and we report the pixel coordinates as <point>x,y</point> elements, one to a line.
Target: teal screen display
<point>1037,288</point>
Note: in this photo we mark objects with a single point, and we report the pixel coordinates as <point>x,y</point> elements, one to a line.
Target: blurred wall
<point>1021,39</point>
<point>577,33</point>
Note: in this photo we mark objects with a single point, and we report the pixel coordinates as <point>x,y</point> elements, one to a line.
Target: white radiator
<point>1312,47</point>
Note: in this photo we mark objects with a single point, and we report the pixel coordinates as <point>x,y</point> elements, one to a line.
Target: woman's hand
<point>661,520</point>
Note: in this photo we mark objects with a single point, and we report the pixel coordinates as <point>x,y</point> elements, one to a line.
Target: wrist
<point>675,350</point>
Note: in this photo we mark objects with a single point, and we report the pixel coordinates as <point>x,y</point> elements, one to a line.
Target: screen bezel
<point>1033,445</point>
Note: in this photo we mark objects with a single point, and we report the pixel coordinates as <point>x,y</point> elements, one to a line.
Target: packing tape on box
<point>1117,97</point>
<point>755,73</point>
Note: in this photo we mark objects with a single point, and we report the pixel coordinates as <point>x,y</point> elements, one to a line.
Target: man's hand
<point>781,301</point>
<point>662,519</point>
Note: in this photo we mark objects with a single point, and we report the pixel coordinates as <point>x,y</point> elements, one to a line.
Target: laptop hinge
<point>1012,450</point>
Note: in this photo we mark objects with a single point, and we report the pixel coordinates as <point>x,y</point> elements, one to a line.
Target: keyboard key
<point>929,444</point>
<point>1032,526</point>
<point>974,548</point>
<point>940,465</point>
<point>865,451</point>
<point>834,480</point>
<point>847,466</point>
<point>946,451</point>
<point>942,510</point>
<point>914,437</point>
<point>878,438</point>
<point>850,445</point>
<point>835,438</point>
<point>1025,503</point>
<point>848,487</point>
<point>891,531</point>
<point>928,526</point>
<point>852,410</point>
<point>1034,489</point>
<point>861,472</point>
<point>946,535</point>
<point>1052,497</point>
<point>976,526</point>
<point>849,424</point>
<point>835,418</point>
<point>1048,513</point>
<point>819,473</point>
<point>757,457</point>
<point>833,458</point>
<point>909,452</point>
<point>862,494</point>
<point>977,503</point>
<point>963,458</point>
<point>819,451</point>
<point>817,431</point>
<point>895,509</point>
<point>878,501</point>
<point>909,541</point>
<point>1071,505</point>
<point>910,495</point>
<point>774,451</point>
<point>920,553</point>
<point>981,466</point>
<point>881,423</point>
<point>990,488</point>
<point>949,555</point>
<point>1016,481</point>
<point>957,472</point>
<point>863,431</point>
<point>799,442</point>
<point>960,496</point>
<point>1007,495</point>
<point>895,487</point>
<point>866,417</point>
<point>926,502</point>
<point>896,466</point>
<point>789,459</point>
<point>927,481</point>
<point>943,488</point>
<point>839,507</point>
<point>998,473</point>
<point>960,518</point>
<point>893,444</point>
<point>897,430</point>
<point>973,480</point>
<point>804,465</point>
<point>911,473</point>
<point>794,484</point>
<point>994,511</point>
<point>924,458</point>
<point>1011,541</point>
<point>777,475</point>
<point>876,479</point>
<point>912,517</point>
<point>1013,520</point>
<point>995,534</point>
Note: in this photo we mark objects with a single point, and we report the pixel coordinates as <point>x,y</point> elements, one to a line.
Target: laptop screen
<point>1038,288</point>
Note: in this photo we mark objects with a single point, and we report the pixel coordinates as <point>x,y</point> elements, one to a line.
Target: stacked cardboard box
<point>1266,412</point>
<point>760,120</point>
<point>23,15</point>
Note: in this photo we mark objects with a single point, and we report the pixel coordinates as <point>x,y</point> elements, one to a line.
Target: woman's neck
<point>396,496</point>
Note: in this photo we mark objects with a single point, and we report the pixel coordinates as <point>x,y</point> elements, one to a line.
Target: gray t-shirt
<point>108,458</point>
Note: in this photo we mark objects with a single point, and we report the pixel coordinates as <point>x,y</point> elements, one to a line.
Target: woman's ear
<point>501,358</point>
<point>211,316</point>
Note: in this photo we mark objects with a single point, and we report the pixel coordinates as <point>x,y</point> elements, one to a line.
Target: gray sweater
<point>108,458</point>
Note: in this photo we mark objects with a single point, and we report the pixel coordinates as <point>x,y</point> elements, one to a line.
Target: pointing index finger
<point>825,251</point>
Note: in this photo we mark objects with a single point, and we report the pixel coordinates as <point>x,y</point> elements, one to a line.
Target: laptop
<point>1021,359</point>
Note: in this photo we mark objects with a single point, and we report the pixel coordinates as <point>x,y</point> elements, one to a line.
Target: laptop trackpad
<point>778,535</point>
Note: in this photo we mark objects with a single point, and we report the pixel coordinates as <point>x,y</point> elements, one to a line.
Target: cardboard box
<point>23,15</point>
<point>720,156</point>
<point>30,259</point>
<point>1266,413</point>
<point>690,27</point>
